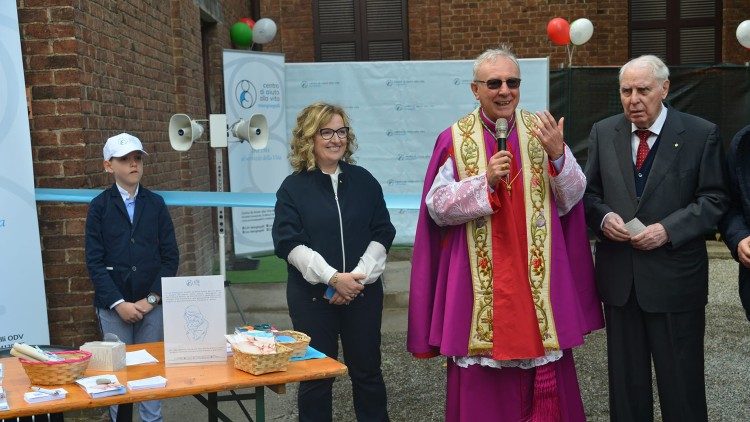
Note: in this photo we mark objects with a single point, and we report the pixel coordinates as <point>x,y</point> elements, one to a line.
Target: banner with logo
<point>254,84</point>
<point>397,111</point>
<point>23,306</point>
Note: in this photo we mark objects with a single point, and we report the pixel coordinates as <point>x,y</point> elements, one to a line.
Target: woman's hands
<point>348,287</point>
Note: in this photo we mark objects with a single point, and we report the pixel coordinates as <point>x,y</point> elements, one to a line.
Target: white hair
<point>659,70</point>
<point>492,54</point>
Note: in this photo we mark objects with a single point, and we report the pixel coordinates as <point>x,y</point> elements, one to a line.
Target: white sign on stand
<point>254,84</point>
<point>194,320</point>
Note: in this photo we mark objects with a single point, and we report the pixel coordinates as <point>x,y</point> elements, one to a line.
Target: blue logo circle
<point>245,93</point>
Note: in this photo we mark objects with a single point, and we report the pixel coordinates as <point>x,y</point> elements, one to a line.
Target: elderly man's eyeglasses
<point>512,83</point>
<point>327,133</point>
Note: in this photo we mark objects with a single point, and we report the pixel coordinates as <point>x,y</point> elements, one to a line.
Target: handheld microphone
<point>501,134</point>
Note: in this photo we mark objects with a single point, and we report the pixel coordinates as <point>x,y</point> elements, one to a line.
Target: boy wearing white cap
<point>130,246</point>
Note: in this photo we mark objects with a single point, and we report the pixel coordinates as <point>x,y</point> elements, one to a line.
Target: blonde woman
<point>333,229</point>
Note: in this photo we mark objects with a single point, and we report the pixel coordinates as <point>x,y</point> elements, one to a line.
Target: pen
<point>46,391</point>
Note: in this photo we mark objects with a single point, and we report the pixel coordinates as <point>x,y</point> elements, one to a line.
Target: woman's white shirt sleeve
<point>372,262</point>
<point>311,264</point>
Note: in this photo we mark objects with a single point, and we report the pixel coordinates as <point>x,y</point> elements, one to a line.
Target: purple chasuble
<point>441,298</point>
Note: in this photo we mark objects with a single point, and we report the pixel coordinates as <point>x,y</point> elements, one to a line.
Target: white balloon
<point>581,31</point>
<point>264,31</point>
<point>743,33</point>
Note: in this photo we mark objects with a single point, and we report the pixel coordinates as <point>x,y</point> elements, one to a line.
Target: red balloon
<point>249,22</point>
<point>558,31</point>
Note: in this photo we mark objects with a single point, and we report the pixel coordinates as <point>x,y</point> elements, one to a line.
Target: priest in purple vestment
<point>502,275</point>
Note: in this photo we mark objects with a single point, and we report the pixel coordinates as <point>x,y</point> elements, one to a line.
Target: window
<point>678,31</point>
<point>360,30</point>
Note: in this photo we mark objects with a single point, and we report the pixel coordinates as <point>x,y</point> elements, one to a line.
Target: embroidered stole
<point>539,333</point>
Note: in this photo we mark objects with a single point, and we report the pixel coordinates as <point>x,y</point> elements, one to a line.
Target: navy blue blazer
<point>306,214</point>
<point>735,225</point>
<point>127,261</point>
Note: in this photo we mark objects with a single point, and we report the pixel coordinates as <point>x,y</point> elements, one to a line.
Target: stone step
<point>717,250</point>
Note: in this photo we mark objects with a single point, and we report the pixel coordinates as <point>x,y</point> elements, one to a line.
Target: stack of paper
<point>45,395</point>
<point>3,400</point>
<point>146,383</point>
<point>101,386</point>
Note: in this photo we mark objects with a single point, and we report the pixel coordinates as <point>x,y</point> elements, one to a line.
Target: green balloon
<point>241,35</point>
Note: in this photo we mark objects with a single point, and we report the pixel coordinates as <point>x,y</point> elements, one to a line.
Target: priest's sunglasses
<point>327,133</point>
<point>512,83</point>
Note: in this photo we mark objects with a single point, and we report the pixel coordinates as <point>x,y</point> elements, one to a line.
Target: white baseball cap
<point>122,145</point>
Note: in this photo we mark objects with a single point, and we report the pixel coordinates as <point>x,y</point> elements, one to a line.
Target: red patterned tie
<point>640,156</point>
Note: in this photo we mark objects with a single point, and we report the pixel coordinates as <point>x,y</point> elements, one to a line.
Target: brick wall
<point>97,68</point>
<point>294,21</point>
<point>461,29</point>
<point>734,12</point>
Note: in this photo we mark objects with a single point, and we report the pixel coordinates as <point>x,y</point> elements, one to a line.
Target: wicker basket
<point>301,341</point>
<point>262,364</point>
<point>57,373</point>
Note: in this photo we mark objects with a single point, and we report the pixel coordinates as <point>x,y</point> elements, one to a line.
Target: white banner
<point>254,84</point>
<point>23,306</point>
<point>397,111</point>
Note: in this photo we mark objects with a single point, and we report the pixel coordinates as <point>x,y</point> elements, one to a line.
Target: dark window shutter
<point>648,41</point>
<point>697,9</point>
<point>386,35</point>
<point>697,45</point>
<point>348,30</point>
<point>335,30</point>
<point>648,10</point>
<point>678,31</point>
<point>338,52</point>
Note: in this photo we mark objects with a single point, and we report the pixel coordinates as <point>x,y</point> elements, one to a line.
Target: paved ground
<point>416,387</point>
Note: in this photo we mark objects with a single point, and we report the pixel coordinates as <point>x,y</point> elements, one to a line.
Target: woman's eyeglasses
<point>512,83</point>
<point>327,133</point>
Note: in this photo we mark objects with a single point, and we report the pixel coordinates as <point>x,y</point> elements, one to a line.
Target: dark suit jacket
<point>127,261</point>
<point>685,192</point>
<point>735,225</point>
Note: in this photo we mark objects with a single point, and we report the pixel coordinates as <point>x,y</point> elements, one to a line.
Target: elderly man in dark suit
<point>735,226</point>
<point>656,186</point>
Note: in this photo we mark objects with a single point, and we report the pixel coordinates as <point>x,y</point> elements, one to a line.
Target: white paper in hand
<point>634,227</point>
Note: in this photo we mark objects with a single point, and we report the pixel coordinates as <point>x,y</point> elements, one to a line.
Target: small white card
<point>634,227</point>
<point>139,357</point>
<point>146,383</point>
